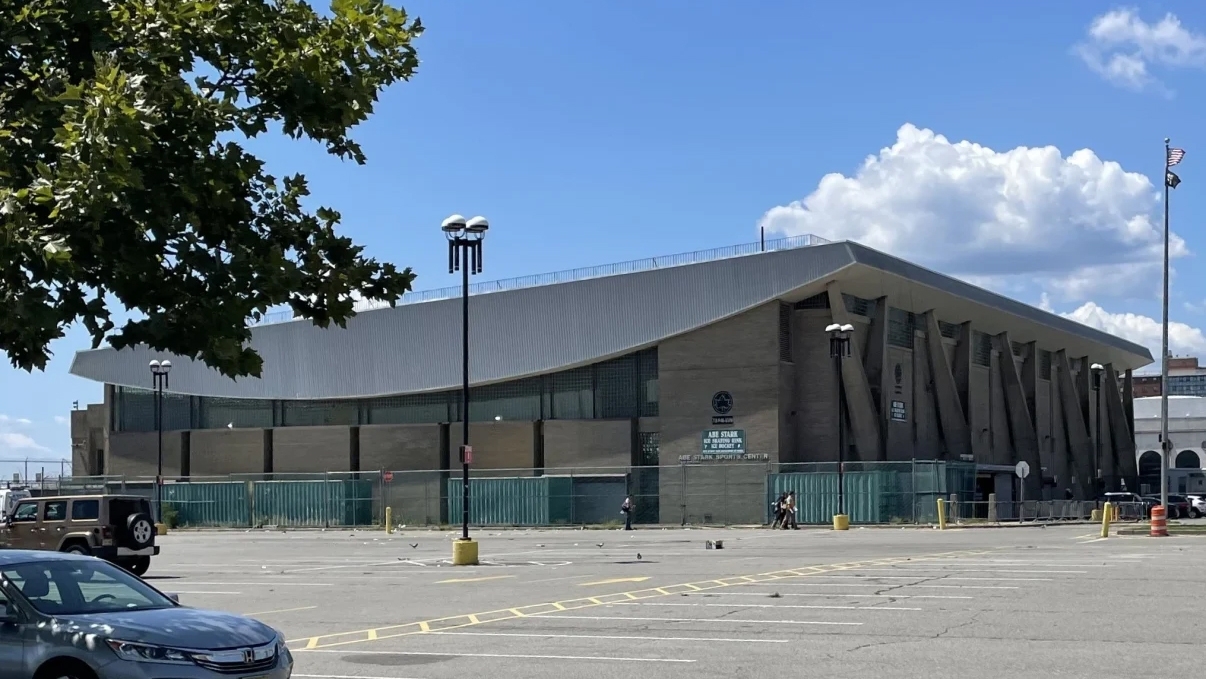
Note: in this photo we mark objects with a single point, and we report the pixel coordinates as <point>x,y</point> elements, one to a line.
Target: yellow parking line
<point>469,620</point>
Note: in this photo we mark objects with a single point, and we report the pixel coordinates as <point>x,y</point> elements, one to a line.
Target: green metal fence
<point>685,494</point>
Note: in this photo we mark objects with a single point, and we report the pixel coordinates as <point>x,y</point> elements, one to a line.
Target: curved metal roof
<point>536,330</point>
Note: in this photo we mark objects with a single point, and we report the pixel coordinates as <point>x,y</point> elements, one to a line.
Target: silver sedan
<point>65,616</point>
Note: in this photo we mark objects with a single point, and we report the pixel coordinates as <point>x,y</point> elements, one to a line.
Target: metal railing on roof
<point>581,274</point>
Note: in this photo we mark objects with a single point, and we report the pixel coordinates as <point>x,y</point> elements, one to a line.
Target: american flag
<point>1175,156</point>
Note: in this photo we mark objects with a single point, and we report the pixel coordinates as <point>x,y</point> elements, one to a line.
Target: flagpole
<point>1166,445</point>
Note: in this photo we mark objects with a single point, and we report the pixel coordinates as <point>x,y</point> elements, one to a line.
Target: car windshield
<point>81,587</point>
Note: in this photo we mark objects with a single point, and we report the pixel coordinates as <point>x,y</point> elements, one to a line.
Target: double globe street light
<point>465,254</point>
<point>159,377</point>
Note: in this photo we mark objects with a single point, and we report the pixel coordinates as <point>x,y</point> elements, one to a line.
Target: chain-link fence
<point>684,494</point>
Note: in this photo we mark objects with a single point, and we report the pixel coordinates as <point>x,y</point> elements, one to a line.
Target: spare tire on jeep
<point>140,529</point>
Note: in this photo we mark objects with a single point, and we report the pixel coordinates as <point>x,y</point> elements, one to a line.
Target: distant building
<point>1144,386</point>
<point>1186,430</point>
<point>1185,378</point>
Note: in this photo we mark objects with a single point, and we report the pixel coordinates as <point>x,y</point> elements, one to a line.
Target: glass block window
<point>319,413</point>
<point>136,410</point>
<point>858,305</point>
<point>981,348</point>
<point>572,395</point>
<point>1018,348</point>
<point>948,330</point>
<point>1044,364</point>
<point>622,387</point>
<point>820,301</point>
<point>785,333</point>
<point>902,326</point>
<point>216,413</point>
<point>410,409</point>
<point>650,443</point>
<point>516,400</point>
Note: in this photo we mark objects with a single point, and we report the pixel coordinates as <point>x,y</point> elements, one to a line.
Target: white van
<point>9,498</point>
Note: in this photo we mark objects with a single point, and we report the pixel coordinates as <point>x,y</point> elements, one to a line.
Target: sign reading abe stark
<point>723,442</point>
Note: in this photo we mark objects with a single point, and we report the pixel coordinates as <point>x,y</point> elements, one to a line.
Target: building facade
<point>708,360</point>
<point>1185,378</point>
<point>1186,431</point>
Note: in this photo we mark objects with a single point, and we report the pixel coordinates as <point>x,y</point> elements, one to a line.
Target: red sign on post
<point>388,476</point>
<point>467,454</point>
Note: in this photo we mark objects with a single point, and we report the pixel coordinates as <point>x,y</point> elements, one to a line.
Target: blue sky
<point>593,132</point>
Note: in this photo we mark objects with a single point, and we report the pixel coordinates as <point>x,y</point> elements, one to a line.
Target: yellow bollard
<point>464,553</point>
<point>941,514</point>
<point>841,522</point>
<point>389,523</point>
<point>1107,513</point>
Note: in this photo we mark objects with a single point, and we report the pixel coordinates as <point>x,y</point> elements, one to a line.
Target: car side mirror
<point>8,614</point>
<point>174,597</point>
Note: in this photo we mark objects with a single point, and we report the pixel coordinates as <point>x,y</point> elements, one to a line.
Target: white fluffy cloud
<point>1182,339</point>
<point>1076,225</point>
<point>13,441</point>
<point>59,419</point>
<point>1122,48</point>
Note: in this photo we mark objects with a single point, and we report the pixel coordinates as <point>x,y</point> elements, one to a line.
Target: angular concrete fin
<point>1120,428</point>
<point>1079,445</point>
<point>1021,426</point>
<point>1030,374</point>
<point>877,374</point>
<point>1128,400</point>
<point>951,414</point>
<point>864,418</point>
<point>961,369</point>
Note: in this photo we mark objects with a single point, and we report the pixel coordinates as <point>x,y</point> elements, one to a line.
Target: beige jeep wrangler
<point>116,528</point>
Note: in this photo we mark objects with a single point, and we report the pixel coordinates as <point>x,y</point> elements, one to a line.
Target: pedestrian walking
<point>777,510</point>
<point>789,512</point>
<point>626,509</point>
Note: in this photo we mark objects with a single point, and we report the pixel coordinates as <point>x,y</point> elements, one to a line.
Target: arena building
<point>704,360</point>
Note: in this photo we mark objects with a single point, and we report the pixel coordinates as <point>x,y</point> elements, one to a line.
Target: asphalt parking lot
<point>1005,602</point>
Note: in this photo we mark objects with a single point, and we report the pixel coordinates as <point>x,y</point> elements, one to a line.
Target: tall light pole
<point>839,349</point>
<point>465,255</point>
<point>159,377</point>
<point>1096,369</point>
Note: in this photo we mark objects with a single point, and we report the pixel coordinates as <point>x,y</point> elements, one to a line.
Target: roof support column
<point>962,369</point>
<point>1123,435</point>
<point>1021,426</point>
<point>951,417</point>
<point>864,421</point>
<point>1080,448</point>
<point>877,359</point>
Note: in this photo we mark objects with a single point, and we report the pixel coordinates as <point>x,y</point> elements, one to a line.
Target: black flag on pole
<point>1171,179</point>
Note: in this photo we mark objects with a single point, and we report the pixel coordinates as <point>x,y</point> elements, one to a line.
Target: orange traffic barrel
<point>1159,522</point>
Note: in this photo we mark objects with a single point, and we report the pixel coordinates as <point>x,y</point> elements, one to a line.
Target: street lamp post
<point>159,377</point>
<point>1099,481</point>
<point>839,349</point>
<point>465,255</point>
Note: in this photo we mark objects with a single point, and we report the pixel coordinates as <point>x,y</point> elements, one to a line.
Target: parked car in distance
<point>68,616</point>
<point>1178,505</point>
<point>9,498</point>
<point>1197,506</point>
<point>117,528</point>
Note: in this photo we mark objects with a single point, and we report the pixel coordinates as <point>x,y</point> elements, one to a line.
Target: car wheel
<point>77,548</point>
<point>140,566</point>
<point>1195,513</point>
<point>141,529</point>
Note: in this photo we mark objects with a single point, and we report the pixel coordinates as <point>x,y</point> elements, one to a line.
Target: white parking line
<point>522,656</point>
<point>817,607</point>
<point>555,616</point>
<point>927,577</point>
<point>880,585</point>
<point>970,570</point>
<point>611,637</point>
<point>825,595</point>
<point>185,591</point>
<point>270,583</point>
<point>343,676</point>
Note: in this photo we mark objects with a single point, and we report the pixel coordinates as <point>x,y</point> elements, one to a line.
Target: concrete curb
<point>643,528</point>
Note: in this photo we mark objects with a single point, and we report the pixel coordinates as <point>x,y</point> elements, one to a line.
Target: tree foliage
<point>122,174</point>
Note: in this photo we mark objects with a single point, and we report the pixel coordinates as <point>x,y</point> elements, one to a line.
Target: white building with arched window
<point>1186,430</point>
